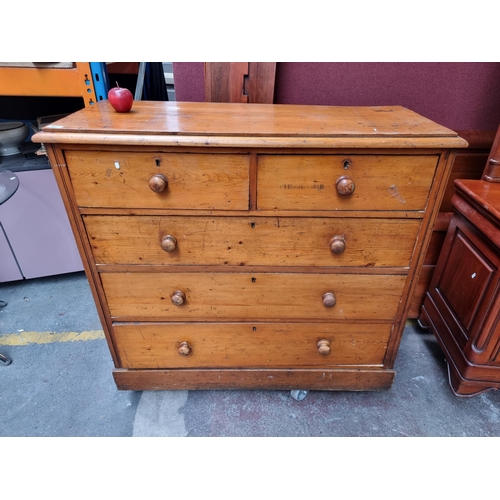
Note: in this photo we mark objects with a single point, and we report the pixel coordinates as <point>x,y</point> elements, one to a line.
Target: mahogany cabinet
<point>261,246</point>
<point>462,305</point>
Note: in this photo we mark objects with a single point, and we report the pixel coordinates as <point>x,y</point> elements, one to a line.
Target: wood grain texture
<point>261,82</point>
<point>466,264</point>
<point>420,291</point>
<point>250,82</point>
<point>121,179</point>
<point>463,302</point>
<point>247,241</point>
<point>435,196</point>
<point>483,197</point>
<point>227,263</point>
<point>242,296</point>
<point>224,82</point>
<point>226,124</point>
<point>308,182</point>
<point>469,257</point>
<point>326,379</point>
<point>469,164</point>
<point>431,257</point>
<point>56,158</point>
<point>230,345</point>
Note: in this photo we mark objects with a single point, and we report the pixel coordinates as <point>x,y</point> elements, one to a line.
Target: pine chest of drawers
<point>251,246</point>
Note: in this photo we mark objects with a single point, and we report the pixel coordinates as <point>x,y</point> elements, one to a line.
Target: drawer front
<point>382,182</point>
<point>251,296</point>
<point>240,345</point>
<point>264,241</point>
<point>122,180</point>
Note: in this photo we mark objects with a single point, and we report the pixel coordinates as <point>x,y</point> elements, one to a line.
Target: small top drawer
<point>159,180</point>
<point>344,182</point>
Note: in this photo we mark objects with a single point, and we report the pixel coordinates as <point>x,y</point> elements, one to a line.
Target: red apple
<point>121,99</point>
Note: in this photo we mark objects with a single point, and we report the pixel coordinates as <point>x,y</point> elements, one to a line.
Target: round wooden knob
<point>168,243</point>
<point>158,183</point>
<point>345,185</point>
<point>178,298</point>
<point>329,299</point>
<point>184,349</point>
<point>337,244</point>
<point>324,347</point>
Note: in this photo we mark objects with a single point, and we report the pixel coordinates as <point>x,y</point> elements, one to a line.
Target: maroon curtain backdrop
<point>461,96</point>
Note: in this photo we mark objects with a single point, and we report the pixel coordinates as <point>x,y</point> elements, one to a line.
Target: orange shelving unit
<point>48,80</point>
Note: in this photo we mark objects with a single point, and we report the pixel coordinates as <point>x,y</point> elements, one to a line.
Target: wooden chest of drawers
<point>251,246</point>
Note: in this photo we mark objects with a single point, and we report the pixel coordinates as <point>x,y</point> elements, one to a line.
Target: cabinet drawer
<point>259,241</point>
<point>381,182</point>
<point>142,346</point>
<point>252,296</point>
<point>122,180</point>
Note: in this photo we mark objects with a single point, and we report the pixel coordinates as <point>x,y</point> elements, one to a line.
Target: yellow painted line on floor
<point>26,338</point>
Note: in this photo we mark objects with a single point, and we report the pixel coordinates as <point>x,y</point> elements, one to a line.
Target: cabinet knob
<point>345,185</point>
<point>329,299</point>
<point>158,183</point>
<point>178,298</point>
<point>184,349</point>
<point>324,347</point>
<point>337,244</point>
<point>168,243</point>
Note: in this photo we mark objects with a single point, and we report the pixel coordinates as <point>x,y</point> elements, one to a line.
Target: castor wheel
<point>299,394</point>
<point>4,360</point>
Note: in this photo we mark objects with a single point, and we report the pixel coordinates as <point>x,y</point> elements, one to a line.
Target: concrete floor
<point>60,384</point>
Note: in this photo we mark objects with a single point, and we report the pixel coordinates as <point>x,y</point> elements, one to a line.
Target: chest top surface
<point>254,125</point>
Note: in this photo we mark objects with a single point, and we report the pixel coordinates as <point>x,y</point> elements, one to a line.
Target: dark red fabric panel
<point>462,96</point>
<point>189,81</point>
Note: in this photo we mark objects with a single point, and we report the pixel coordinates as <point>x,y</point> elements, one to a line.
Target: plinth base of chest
<point>363,379</point>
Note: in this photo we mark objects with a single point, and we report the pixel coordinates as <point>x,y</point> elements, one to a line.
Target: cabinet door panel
<point>465,279</point>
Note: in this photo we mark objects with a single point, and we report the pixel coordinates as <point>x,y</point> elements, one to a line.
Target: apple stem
<point>117,84</point>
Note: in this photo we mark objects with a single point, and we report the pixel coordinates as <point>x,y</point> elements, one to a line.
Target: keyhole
<point>254,280</point>
<point>347,164</point>
<point>158,162</point>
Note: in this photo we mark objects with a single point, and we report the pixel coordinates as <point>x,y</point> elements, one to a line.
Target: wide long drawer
<point>251,296</point>
<point>258,241</point>
<point>240,345</point>
<point>159,180</point>
<point>367,182</point>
